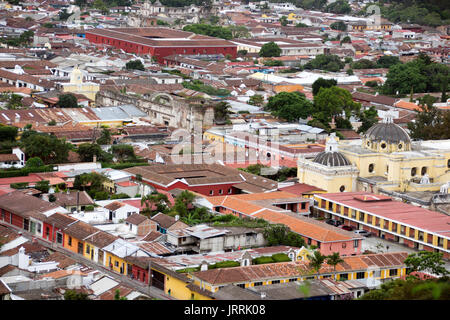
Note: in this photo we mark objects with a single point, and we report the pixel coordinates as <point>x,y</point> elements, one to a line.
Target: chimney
<point>177,217</point>
<point>204,266</point>
<point>263,295</point>
<point>94,159</point>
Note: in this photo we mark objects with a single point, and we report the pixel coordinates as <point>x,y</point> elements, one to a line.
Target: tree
<point>270,49</point>
<point>283,21</point>
<point>322,83</point>
<point>368,118</point>
<point>221,111</point>
<point>158,200</point>
<point>339,7</point>
<point>67,100</point>
<point>301,25</point>
<point>105,137</point>
<point>43,186</point>
<point>334,259</point>
<point>256,100</point>
<point>87,151</point>
<point>34,162</point>
<point>8,133</point>
<point>49,148</point>
<point>346,39</point>
<point>210,30</point>
<point>332,102</point>
<point>350,72</point>
<point>242,52</point>
<point>73,295</point>
<point>123,152</point>
<point>411,289</point>
<point>316,260</point>
<point>280,234</point>
<point>430,123</point>
<point>363,64</point>
<point>134,65</point>
<point>425,261</point>
<point>118,297</point>
<point>184,202</point>
<point>15,102</point>
<point>339,25</point>
<point>239,31</point>
<point>387,61</point>
<point>330,63</point>
<point>290,106</point>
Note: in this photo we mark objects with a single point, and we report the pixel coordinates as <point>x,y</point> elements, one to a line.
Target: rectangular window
<point>211,192</point>
<point>303,205</point>
<point>275,281</point>
<point>69,242</point>
<point>47,232</point>
<point>26,224</point>
<point>256,284</point>
<point>242,285</point>
<point>59,238</point>
<point>360,275</point>
<point>393,272</point>
<point>116,263</point>
<point>343,276</point>
<point>355,243</point>
<point>87,248</point>
<point>292,279</point>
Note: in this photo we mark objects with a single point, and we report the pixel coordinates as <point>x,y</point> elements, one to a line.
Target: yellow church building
<point>76,85</point>
<point>385,158</point>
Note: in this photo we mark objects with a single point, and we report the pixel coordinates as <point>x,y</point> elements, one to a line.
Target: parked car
<point>335,223</point>
<point>348,228</point>
<point>362,233</point>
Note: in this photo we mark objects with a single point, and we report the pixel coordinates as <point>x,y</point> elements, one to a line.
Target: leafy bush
<point>101,195</point>
<point>280,257</point>
<point>19,185</point>
<point>119,196</point>
<point>224,264</point>
<point>89,208</point>
<point>263,260</point>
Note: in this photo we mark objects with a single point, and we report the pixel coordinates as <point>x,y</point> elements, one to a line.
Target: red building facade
<point>160,43</point>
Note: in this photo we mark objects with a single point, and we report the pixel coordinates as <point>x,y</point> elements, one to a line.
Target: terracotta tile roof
<point>407,105</point>
<point>80,230</point>
<point>109,295</point>
<point>101,239</point>
<point>24,205</point>
<point>73,198</point>
<point>60,220</point>
<point>300,188</point>
<point>164,220</point>
<point>136,219</point>
<point>29,248</point>
<point>114,205</point>
<point>63,260</point>
<point>152,236</point>
<point>269,271</point>
<point>8,157</point>
<point>307,227</point>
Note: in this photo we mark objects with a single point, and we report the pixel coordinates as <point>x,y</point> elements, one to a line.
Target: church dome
<point>331,156</point>
<point>389,132</point>
<point>332,159</point>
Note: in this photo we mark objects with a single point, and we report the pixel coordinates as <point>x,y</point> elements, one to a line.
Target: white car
<point>362,233</point>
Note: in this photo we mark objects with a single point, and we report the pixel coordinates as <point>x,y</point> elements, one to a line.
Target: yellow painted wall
<point>179,291</point>
<point>115,259</point>
<point>320,181</point>
<point>74,246</point>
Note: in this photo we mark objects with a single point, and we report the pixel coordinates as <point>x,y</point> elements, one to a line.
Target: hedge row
<point>119,166</point>
<point>8,173</point>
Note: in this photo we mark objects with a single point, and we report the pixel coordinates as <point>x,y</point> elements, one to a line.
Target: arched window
<point>383,145</point>
<point>342,189</point>
<point>413,171</point>
<point>424,171</point>
<point>371,167</point>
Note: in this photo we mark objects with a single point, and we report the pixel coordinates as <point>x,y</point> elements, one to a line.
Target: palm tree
<point>333,260</point>
<point>316,260</point>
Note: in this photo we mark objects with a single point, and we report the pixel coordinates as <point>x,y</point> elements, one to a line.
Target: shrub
<point>280,257</point>
<point>262,260</point>
<point>224,264</point>
<point>119,196</point>
<point>19,185</point>
<point>101,195</point>
<point>89,208</point>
